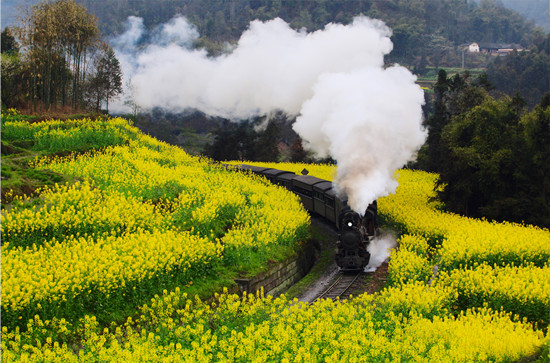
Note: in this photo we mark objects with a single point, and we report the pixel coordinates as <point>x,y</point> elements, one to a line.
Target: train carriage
<point>320,200</point>
<point>273,175</point>
<point>318,196</point>
<point>303,186</point>
<point>285,180</point>
<point>254,169</point>
<point>330,206</point>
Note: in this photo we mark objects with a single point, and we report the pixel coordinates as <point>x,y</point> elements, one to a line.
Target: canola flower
<point>409,321</point>
<point>74,135</point>
<point>85,265</point>
<point>501,265</point>
<point>410,261</point>
<point>76,243</point>
<point>258,329</point>
<point>440,241</point>
<point>214,202</point>
<point>524,290</point>
<point>464,241</point>
<point>10,112</point>
<point>68,210</point>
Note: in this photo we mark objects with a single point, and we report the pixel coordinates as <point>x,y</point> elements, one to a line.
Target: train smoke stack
<point>348,106</point>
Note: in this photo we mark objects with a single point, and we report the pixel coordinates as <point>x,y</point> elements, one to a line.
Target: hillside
<point>421,28</point>
<point>534,10</point>
<point>126,186</point>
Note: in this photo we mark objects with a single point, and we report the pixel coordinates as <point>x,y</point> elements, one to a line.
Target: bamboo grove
<point>57,60</point>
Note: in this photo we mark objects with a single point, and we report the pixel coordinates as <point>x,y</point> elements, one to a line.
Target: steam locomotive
<point>355,232</point>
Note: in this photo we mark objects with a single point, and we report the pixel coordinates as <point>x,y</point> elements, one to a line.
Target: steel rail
<point>345,281</point>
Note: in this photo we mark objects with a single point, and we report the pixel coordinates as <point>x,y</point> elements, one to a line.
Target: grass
<point>18,178</point>
<point>431,74</point>
<point>326,243</point>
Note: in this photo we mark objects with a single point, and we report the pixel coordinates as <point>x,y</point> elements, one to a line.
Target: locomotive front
<point>355,234</point>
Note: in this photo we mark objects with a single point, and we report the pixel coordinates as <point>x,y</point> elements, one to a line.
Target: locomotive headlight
<point>350,224</point>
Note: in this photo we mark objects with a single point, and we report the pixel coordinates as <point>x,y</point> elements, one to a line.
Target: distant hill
<point>536,10</point>
<point>425,32</point>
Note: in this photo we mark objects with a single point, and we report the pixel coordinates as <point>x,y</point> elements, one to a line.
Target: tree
<point>297,152</point>
<point>107,82</point>
<point>9,44</point>
<point>267,143</point>
<point>435,124</point>
<point>11,70</point>
<point>233,142</point>
<point>497,161</point>
<point>56,37</point>
<point>11,79</point>
<point>484,149</point>
<point>536,131</point>
<point>527,72</point>
<point>453,96</point>
<point>241,142</point>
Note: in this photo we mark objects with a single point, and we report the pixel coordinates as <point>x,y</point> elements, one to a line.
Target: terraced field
<point>131,255</point>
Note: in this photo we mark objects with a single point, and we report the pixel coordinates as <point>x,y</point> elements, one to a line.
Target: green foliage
<point>23,141</point>
<point>245,142</point>
<point>482,156</point>
<point>75,136</point>
<point>11,79</point>
<point>526,72</point>
<point>9,45</point>
<point>488,152</point>
<point>421,28</point>
<point>453,96</point>
<point>143,200</point>
<point>532,9</point>
<point>494,167</point>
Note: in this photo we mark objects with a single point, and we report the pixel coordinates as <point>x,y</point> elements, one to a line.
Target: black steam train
<point>318,196</point>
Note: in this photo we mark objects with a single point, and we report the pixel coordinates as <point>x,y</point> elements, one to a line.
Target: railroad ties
<point>341,288</point>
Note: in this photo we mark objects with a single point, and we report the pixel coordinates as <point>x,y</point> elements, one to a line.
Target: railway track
<point>341,287</point>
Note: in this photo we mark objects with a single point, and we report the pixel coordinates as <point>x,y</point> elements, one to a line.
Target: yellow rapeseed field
<point>147,214</point>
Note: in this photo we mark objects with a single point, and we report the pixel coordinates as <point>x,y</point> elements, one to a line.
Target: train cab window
<point>303,191</point>
<point>318,195</point>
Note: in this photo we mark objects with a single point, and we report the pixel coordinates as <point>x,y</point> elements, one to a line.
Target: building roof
<point>497,46</point>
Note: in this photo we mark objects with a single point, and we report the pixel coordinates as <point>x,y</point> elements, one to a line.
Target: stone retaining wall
<point>283,275</point>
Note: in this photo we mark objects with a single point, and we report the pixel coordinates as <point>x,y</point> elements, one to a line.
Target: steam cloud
<point>369,119</point>
<point>380,249</point>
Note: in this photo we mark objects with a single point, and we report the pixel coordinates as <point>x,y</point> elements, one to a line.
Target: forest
<point>421,28</point>
<point>492,123</point>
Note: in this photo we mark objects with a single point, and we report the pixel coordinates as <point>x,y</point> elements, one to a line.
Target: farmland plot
<point>166,220</point>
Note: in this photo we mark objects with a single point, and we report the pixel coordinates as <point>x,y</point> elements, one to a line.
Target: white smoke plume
<point>349,107</point>
<point>369,120</point>
<point>380,249</point>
